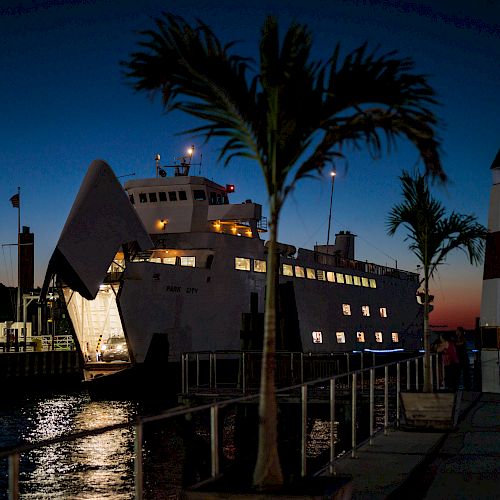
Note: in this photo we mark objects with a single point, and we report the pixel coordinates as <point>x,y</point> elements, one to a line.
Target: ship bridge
<point>187,204</point>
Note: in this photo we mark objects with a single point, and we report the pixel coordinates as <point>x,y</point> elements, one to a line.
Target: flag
<point>15,200</point>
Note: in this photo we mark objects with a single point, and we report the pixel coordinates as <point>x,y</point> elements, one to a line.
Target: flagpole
<point>18,316</point>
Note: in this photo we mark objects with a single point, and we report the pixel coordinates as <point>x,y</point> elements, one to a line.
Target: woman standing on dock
<point>450,361</point>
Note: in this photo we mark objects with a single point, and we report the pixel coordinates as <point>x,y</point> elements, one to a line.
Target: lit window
<point>348,279</point>
<point>321,275</point>
<point>172,196</point>
<point>299,272</point>
<point>360,336</point>
<point>169,260</point>
<point>310,273</point>
<point>182,195</point>
<point>383,312</point>
<point>365,310</point>
<point>330,276</point>
<point>188,261</point>
<point>242,264</point>
<point>373,283</point>
<point>346,309</point>
<point>340,278</point>
<point>395,337</point>
<point>340,337</point>
<point>199,195</point>
<point>162,195</point>
<point>259,266</point>
<point>152,198</point>
<point>155,259</point>
<point>378,337</point>
<point>357,280</point>
<point>143,198</point>
<point>317,337</point>
<point>365,282</point>
<point>287,270</point>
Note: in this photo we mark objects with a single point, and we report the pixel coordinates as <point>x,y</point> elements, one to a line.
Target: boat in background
<point>168,265</point>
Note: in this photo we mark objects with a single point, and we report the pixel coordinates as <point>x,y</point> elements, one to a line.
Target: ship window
<point>155,259</point>
<point>169,260</point>
<point>172,196</point>
<point>143,198</point>
<point>310,273</point>
<point>213,198</point>
<point>182,195</point>
<point>287,270</point>
<point>360,336</point>
<point>317,337</point>
<point>373,283</point>
<point>340,337</point>
<point>348,279</point>
<point>259,266</point>
<point>395,337</point>
<point>330,276</point>
<point>242,264</point>
<point>219,199</point>
<point>340,277</point>
<point>383,312</point>
<point>188,261</point>
<point>357,280</point>
<point>162,195</point>
<point>199,195</point>
<point>131,198</point>
<point>299,272</point>
<point>365,310</point>
<point>152,197</point>
<point>346,309</point>
<point>378,337</point>
<point>364,282</point>
<point>321,275</point>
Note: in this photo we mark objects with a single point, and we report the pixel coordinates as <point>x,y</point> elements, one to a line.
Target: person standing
<point>463,357</point>
<point>450,361</point>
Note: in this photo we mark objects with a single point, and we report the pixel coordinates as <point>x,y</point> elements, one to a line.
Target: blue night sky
<point>64,101</point>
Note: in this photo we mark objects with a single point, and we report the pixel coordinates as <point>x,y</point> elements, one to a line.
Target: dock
<point>458,464</point>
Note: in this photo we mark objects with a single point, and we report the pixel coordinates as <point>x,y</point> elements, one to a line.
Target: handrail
<point>13,454</point>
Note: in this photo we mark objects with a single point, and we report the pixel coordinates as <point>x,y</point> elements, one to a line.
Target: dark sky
<point>64,102</point>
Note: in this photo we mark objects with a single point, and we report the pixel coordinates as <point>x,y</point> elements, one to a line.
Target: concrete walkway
<point>461,464</point>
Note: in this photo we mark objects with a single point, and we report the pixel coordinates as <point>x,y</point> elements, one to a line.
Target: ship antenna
<point>157,160</point>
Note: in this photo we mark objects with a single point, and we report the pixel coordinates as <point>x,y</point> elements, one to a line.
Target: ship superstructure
<point>167,265</point>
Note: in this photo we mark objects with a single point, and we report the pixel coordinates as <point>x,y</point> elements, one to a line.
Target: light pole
<point>332,175</point>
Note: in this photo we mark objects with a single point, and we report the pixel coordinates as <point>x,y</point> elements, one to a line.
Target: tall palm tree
<point>292,115</point>
<point>432,236</point>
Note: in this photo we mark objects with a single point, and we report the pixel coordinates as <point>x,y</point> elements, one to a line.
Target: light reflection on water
<point>97,467</point>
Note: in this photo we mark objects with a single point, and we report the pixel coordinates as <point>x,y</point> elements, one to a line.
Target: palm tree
<point>432,237</point>
<point>292,115</point>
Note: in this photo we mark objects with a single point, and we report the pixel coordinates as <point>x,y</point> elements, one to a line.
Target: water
<point>97,467</point>
<point>176,452</point>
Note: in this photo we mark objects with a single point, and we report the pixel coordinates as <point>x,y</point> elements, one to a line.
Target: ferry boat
<point>168,265</point>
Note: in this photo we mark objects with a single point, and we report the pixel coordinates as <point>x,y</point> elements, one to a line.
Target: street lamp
<point>332,175</point>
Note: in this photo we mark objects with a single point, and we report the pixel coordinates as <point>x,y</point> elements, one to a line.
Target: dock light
<point>229,188</point>
<point>190,150</point>
<point>333,174</point>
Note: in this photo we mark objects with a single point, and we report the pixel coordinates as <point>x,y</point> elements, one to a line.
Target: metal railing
<point>240,370</point>
<point>333,391</point>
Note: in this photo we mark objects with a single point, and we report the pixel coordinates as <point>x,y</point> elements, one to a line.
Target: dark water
<point>176,452</point>
<point>96,467</point>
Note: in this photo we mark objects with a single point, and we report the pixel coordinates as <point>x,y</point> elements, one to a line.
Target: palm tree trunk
<point>427,334</point>
<point>267,474</point>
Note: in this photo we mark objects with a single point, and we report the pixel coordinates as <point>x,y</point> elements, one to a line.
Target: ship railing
<point>359,405</point>
<point>357,265</point>
<point>239,371</point>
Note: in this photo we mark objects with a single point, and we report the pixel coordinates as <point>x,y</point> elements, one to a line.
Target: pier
<point>345,425</point>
